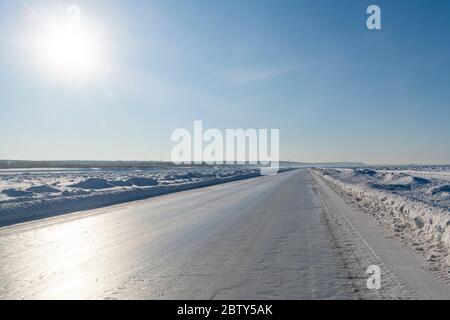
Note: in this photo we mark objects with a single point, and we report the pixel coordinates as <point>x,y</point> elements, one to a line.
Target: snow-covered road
<point>287,236</point>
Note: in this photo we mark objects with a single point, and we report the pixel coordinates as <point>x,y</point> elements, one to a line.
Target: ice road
<point>287,236</point>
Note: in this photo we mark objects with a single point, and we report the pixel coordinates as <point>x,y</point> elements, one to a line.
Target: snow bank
<point>400,200</point>
<point>92,184</point>
<point>43,189</point>
<point>28,198</point>
<point>400,183</point>
<point>443,190</point>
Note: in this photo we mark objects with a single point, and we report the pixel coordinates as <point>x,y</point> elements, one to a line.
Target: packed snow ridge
<point>413,200</point>
<point>27,194</point>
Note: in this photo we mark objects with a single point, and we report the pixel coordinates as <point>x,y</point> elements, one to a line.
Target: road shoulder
<point>364,243</point>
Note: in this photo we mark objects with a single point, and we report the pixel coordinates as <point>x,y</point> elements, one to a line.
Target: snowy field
<point>27,194</point>
<point>413,200</point>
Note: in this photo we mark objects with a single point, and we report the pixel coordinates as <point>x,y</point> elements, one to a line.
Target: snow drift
<point>408,203</point>
<point>27,196</point>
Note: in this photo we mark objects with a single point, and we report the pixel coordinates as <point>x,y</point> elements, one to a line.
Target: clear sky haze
<point>336,90</point>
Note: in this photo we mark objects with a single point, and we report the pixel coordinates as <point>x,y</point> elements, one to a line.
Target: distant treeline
<point>24,164</point>
<point>88,164</point>
<point>91,164</point>
<point>332,164</point>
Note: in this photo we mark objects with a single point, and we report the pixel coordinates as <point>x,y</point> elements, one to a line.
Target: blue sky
<point>310,68</point>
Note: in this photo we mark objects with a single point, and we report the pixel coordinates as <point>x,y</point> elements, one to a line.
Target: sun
<point>69,52</point>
